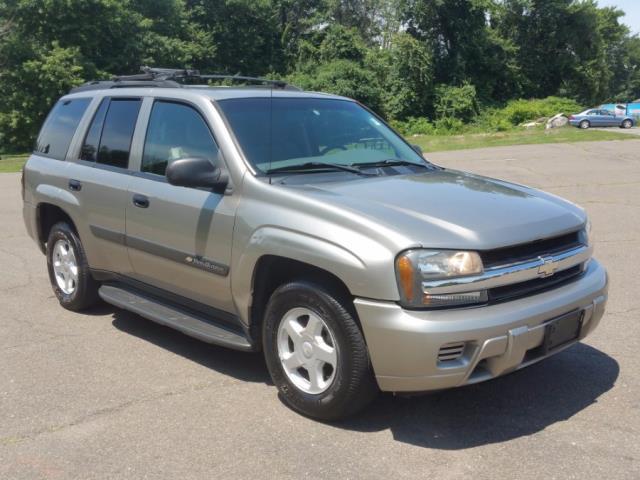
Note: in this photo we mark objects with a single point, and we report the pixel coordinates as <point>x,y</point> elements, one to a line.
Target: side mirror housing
<point>418,149</point>
<point>196,172</point>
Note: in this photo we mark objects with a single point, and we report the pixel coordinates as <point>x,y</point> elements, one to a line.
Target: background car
<point>601,118</point>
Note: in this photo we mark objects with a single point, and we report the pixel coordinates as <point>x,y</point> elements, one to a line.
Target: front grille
<point>538,285</point>
<point>451,352</point>
<point>531,250</point>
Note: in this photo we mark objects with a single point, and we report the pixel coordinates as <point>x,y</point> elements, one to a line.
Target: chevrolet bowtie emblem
<point>547,268</point>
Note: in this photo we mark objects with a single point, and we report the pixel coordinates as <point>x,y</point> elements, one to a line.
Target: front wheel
<point>585,124</point>
<point>627,124</point>
<point>315,352</point>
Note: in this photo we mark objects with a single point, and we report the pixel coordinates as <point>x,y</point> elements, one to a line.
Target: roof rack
<point>175,78</point>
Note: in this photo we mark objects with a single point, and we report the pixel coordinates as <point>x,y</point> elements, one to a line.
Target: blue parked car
<point>595,117</point>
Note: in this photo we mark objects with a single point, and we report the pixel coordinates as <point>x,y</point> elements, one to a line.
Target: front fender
<point>367,277</point>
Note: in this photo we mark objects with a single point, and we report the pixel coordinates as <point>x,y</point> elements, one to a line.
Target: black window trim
<point>180,101</point>
<point>46,120</point>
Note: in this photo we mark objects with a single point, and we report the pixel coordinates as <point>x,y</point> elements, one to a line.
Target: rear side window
<point>57,132</point>
<point>175,131</point>
<point>89,150</point>
<point>117,132</point>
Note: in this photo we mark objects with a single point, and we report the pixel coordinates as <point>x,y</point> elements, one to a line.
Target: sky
<point>630,7</point>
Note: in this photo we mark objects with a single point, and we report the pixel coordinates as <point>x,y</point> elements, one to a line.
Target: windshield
<point>285,132</point>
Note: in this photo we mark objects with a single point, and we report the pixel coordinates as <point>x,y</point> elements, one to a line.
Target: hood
<point>452,209</point>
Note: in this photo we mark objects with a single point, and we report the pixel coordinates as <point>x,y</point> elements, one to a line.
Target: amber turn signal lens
<point>405,274</point>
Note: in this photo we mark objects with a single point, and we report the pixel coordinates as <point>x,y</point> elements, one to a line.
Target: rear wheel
<point>627,124</point>
<point>315,352</point>
<point>584,124</point>
<point>69,272</point>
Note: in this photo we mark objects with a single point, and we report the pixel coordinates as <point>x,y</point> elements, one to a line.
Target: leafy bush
<point>520,111</point>
<point>414,126</point>
<point>449,126</point>
<point>456,102</point>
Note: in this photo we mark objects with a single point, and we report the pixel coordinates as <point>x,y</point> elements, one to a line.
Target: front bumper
<point>404,344</point>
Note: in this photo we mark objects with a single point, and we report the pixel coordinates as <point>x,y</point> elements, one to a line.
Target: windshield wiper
<point>390,162</point>
<point>318,167</point>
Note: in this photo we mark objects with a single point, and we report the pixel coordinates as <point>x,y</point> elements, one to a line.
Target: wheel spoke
<point>291,362</point>
<point>294,329</point>
<point>314,326</point>
<point>326,354</point>
<point>316,378</point>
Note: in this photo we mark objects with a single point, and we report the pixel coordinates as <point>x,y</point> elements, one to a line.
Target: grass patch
<point>12,163</point>
<point>437,143</point>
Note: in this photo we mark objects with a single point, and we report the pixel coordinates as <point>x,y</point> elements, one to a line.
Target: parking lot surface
<point>107,394</point>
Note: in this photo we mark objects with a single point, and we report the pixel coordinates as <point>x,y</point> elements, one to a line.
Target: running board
<point>173,316</point>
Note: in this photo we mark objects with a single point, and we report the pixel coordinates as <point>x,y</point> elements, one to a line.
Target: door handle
<point>140,201</point>
<point>75,185</point>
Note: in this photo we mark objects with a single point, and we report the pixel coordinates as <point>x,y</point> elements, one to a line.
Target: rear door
<point>179,239</point>
<point>609,119</point>
<point>595,118</point>
<point>99,177</point>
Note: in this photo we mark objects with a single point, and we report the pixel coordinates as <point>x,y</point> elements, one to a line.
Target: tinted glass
<point>282,132</point>
<point>61,124</point>
<point>175,131</point>
<point>92,140</point>
<point>117,132</point>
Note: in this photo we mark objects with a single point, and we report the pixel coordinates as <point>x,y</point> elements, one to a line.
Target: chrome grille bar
<point>510,274</point>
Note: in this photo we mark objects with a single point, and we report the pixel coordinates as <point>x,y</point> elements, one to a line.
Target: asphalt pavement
<point>107,394</point>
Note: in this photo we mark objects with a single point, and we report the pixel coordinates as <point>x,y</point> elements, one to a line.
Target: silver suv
<point>299,224</point>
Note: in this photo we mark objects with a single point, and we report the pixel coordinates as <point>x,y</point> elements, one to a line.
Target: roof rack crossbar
<point>175,78</point>
<point>159,74</point>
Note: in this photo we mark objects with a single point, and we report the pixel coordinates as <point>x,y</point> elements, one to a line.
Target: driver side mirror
<point>418,149</point>
<point>196,172</point>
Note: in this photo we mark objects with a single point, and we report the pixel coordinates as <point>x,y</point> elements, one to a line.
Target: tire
<point>68,269</point>
<point>584,124</point>
<point>341,390</point>
<point>627,124</point>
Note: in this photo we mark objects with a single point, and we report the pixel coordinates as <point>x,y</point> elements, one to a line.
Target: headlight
<point>416,266</point>
<point>585,234</point>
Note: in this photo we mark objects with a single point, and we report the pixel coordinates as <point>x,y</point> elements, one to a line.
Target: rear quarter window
<point>57,131</point>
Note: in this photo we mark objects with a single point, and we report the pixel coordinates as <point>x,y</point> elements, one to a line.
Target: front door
<point>178,238</point>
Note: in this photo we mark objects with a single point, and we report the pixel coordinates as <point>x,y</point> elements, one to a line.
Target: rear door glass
<point>117,128</point>
<point>60,126</point>
<point>89,151</point>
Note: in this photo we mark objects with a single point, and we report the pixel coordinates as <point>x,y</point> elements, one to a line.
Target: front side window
<point>60,126</point>
<point>284,132</point>
<point>175,131</point>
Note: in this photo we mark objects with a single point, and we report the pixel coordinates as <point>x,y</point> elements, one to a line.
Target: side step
<point>173,316</point>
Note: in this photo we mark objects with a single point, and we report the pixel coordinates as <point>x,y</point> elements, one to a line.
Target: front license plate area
<point>562,330</point>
